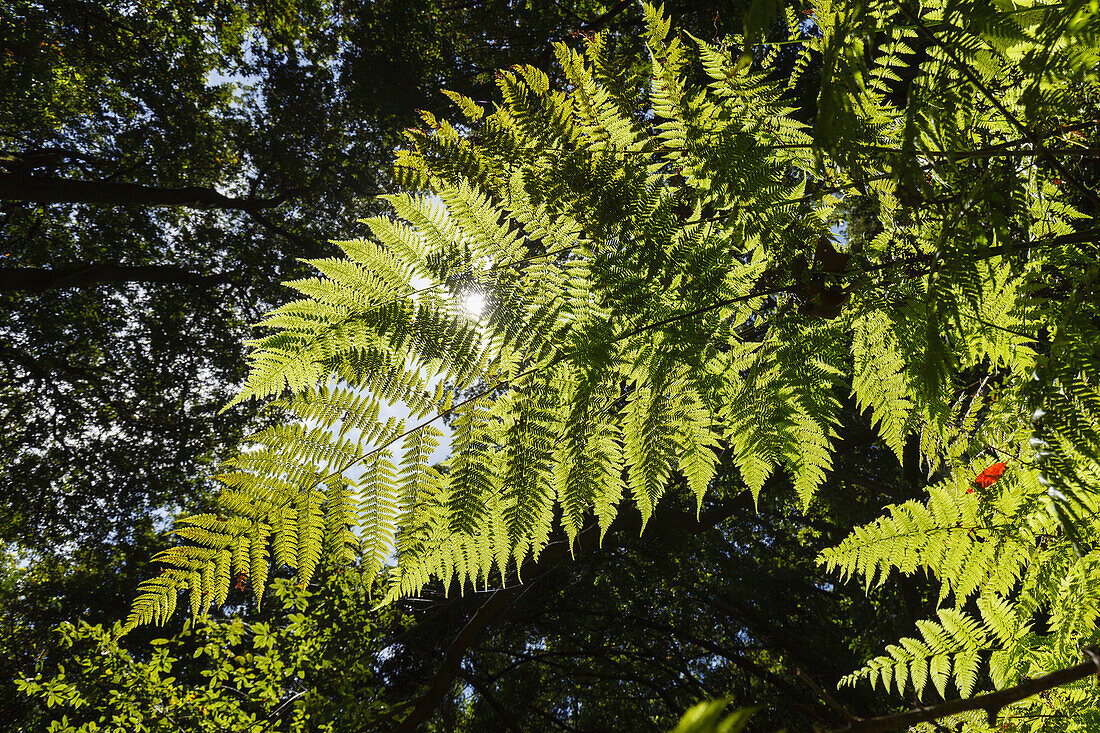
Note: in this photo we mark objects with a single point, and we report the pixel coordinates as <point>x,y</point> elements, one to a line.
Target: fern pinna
<point>673,268</point>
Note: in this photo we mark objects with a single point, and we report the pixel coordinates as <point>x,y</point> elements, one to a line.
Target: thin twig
<point>825,696</point>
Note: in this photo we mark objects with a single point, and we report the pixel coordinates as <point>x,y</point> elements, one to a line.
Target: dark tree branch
<point>619,673</point>
<point>733,657</point>
<point>40,279</point>
<point>601,22</point>
<point>992,152</point>
<point>23,162</point>
<point>553,555</point>
<point>274,228</point>
<point>502,712</point>
<point>990,703</point>
<point>825,696</point>
<point>47,190</point>
<point>44,369</point>
<point>450,667</point>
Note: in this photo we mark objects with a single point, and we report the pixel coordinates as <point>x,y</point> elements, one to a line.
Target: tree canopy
<point>624,277</point>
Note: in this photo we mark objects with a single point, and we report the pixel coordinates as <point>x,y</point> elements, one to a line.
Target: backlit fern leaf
<point>947,651</point>
<point>667,279</point>
<point>950,536</point>
<point>878,381</point>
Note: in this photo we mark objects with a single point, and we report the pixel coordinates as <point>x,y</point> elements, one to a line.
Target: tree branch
<point>990,703</point>
<point>266,223</point>
<point>738,660</point>
<point>552,555</point>
<point>601,22</point>
<point>47,190</point>
<point>502,712</point>
<point>452,658</point>
<point>40,279</point>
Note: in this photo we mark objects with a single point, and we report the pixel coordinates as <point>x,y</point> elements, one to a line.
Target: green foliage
<point>289,673</point>
<point>969,544</point>
<point>665,279</point>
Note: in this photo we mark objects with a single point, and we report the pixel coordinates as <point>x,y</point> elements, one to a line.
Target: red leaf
<point>989,476</point>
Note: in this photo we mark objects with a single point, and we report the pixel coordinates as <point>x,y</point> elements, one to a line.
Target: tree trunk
<point>45,190</point>
<point>39,279</point>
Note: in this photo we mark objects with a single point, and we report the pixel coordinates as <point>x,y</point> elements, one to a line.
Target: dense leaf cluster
<point>290,671</point>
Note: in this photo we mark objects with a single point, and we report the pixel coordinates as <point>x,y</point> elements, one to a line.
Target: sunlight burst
<point>473,303</point>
